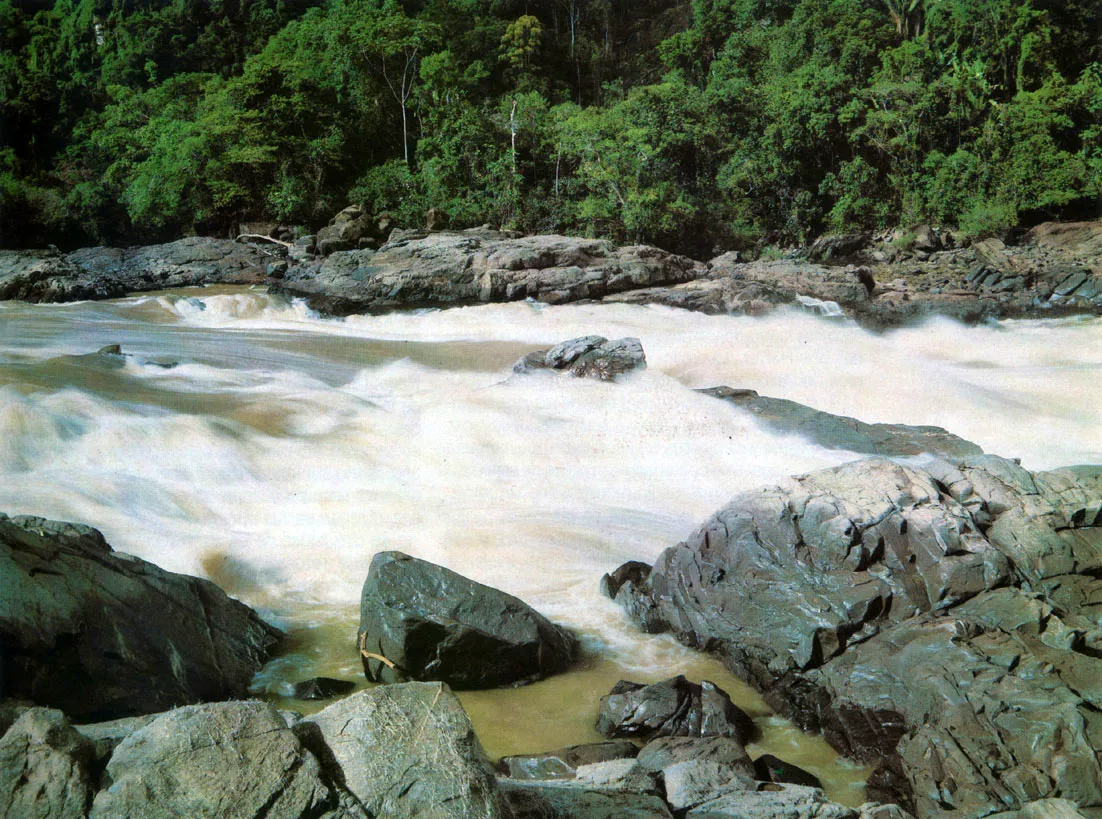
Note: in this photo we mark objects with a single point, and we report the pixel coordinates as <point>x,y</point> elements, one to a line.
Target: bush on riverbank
<point>691,125</point>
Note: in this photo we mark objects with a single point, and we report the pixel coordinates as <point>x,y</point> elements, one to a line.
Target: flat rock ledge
<point>101,634</point>
<point>940,623</point>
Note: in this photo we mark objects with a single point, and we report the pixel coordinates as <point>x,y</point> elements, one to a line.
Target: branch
<point>261,238</point>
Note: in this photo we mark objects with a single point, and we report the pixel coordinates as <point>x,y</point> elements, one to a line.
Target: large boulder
<point>939,623</point>
<point>101,634</point>
<point>406,750</point>
<point>45,768</point>
<point>842,432</point>
<point>445,268</point>
<point>672,708</point>
<point>698,769</point>
<point>421,621</point>
<point>588,357</point>
<point>214,760</point>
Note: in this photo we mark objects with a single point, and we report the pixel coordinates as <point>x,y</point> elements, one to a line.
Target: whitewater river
<point>284,450</point>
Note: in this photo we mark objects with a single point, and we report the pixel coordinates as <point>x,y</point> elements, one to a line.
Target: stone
<point>419,268</point>
<point>768,768</point>
<point>588,357</point>
<point>696,770</point>
<point>212,760</point>
<point>841,432</point>
<point>564,763</point>
<point>421,621</point>
<point>45,768</point>
<point>437,219</point>
<point>107,736</point>
<point>546,800</point>
<point>103,635</point>
<point>772,801</point>
<point>938,623</point>
<point>839,246</point>
<point>322,688</point>
<point>673,707</point>
<point>407,750</point>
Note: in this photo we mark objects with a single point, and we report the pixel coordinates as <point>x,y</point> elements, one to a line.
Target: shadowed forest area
<point>697,126</point>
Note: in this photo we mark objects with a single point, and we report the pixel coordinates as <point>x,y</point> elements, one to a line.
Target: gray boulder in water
<point>940,623</point>
<point>421,621</point>
<point>101,634</point>
<point>673,707</point>
<point>588,357</point>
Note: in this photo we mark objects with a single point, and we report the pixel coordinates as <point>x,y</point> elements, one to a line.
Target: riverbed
<point>250,441</point>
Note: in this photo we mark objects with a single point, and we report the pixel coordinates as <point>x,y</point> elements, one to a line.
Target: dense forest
<point>697,126</point>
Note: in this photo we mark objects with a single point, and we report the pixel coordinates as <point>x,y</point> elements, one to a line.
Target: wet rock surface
<point>105,272</point>
<point>102,634</point>
<point>564,763</point>
<point>939,622</point>
<point>588,357</point>
<point>447,268</point>
<point>842,432</point>
<point>422,621</point>
<point>672,708</point>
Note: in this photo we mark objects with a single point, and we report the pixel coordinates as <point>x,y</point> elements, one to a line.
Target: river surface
<point>283,450</point>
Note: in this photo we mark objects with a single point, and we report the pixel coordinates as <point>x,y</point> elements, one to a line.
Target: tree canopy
<point>698,126</point>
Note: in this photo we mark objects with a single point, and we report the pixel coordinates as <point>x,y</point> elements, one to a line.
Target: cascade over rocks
<point>588,357</point>
<point>424,622</point>
<point>938,622</point>
<point>102,634</point>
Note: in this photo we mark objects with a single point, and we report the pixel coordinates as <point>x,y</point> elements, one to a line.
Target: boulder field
<point>939,622</point>
<point>1055,269</point>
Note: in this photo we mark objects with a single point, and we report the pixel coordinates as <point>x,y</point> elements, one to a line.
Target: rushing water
<point>284,450</point>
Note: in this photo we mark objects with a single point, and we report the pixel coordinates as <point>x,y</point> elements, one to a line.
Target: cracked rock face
<point>942,622</point>
<point>101,634</point>
<point>219,759</point>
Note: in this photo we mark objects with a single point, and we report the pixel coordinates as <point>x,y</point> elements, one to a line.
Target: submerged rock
<point>768,768</point>
<point>406,750</point>
<point>841,432</point>
<point>424,622</point>
<point>588,357</point>
<point>101,634</point>
<point>937,622</point>
<point>672,708</point>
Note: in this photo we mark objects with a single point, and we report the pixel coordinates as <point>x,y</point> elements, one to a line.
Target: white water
<point>285,450</point>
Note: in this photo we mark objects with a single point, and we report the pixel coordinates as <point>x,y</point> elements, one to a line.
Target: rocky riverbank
<point>1055,269</point>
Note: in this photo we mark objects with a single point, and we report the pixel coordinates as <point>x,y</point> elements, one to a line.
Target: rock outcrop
<point>842,432</point>
<point>101,634</point>
<point>938,622</point>
<point>45,767</point>
<point>588,357</point>
<point>106,272</point>
<point>421,621</point>
<point>448,268</point>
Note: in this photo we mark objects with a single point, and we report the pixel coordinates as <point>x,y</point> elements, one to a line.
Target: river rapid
<point>284,450</point>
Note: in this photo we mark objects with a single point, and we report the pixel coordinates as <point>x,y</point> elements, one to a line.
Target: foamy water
<point>284,450</point>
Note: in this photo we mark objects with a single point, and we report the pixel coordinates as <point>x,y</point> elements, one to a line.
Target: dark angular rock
<point>422,621</point>
<point>842,432</point>
<point>839,246</point>
<point>45,768</point>
<point>588,357</point>
<point>564,763</point>
<point>322,688</point>
<point>406,750</point>
<point>103,635</point>
<point>673,707</point>
<point>218,759</point>
<point>768,768</point>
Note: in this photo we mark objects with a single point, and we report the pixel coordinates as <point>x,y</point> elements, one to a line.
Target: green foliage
<point>701,126</point>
